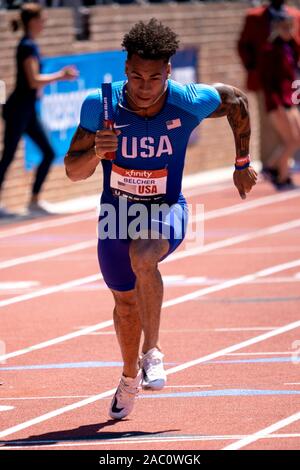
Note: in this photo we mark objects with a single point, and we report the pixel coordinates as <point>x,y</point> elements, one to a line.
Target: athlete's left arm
<point>234,105</point>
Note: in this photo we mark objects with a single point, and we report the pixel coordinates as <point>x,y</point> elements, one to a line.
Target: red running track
<point>230,331</point>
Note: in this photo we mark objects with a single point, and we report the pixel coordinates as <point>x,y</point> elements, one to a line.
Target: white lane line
<point>192,252</point>
<point>98,333</point>
<point>193,192</point>
<point>6,408</point>
<point>82,443</point>
<point>258,250</point>
<point>250,328</point>
<point>173,370</point>
<point>17,285</point>
<point>272,230</point>
<point>50,290</point>
<point>91,213</point>
<point>193,295</point>
<point>57,340</point>
<point>207,216</point>
<point>236,347</point>
<point>263,433</point>
<point>54,413</point>
<point>200,330</point>
<point>42,255</point>
<point>232,282</point>
<point>242,206</point>
<point>37,444</point>
<point>73,219</point>
<point>62,397</point>
<point>274,353</point>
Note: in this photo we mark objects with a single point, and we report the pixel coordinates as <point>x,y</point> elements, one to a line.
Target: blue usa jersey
<point>153,143</point>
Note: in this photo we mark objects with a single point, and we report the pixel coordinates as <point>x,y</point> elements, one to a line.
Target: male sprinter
<point>154,117</point>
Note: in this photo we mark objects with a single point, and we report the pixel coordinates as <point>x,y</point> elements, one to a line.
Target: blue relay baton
<point>108,122</point>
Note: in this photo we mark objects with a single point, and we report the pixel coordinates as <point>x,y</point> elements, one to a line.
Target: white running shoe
<point>154,375</point>
<point>123,400</point>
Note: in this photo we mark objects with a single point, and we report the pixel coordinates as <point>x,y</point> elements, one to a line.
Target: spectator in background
<point>254,36</point>
<point>19,112</point>
<point>277,72</point>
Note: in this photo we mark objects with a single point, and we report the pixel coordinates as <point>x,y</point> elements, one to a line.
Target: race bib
<point>138,185</point>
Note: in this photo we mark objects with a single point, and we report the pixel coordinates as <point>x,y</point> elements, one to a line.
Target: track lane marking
<point>51,290</point>
<point>271,230</point>
<point>192,252</point>
<point>236,208</point>
<point>42,255</point>
<point>173,370</point>
<point>264,433</point>
<point>180,299</point>
<point>91,213</point>
<point>134,440</point>
<point>35,226</point>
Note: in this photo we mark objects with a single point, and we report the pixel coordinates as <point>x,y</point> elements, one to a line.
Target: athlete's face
<point>146,79</point>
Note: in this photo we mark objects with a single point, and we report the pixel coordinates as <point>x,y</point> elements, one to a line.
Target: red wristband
<point>242,161</point>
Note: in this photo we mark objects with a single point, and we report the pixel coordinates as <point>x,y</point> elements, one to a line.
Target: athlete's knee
<point>143,259</point>
<point>125,303</point>
<point>145,254</point>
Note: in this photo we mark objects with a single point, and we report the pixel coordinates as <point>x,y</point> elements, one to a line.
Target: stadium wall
<point>212,27</point>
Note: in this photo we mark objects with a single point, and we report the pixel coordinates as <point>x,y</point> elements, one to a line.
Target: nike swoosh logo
<point>119,127</point>
<point>114,407</point>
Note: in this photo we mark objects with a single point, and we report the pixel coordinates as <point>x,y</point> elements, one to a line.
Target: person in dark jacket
<point>19,111</point>
<point>277,72</point>
<point>253,37</point>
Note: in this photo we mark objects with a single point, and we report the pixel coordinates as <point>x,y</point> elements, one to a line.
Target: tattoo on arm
<point>234,105</point>
<point>74,153</point>
<point>82,141</point>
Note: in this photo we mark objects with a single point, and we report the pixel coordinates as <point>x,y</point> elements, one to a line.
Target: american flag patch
<point>173,124</point>
<point>131,188</point>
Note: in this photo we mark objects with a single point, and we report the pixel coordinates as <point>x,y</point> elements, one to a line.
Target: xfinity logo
<point>140,173</point>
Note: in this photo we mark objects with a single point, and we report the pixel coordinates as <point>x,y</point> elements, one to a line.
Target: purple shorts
<point>113,251</point>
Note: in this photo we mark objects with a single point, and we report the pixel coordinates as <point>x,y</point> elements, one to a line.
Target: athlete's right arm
<point>86,151</point>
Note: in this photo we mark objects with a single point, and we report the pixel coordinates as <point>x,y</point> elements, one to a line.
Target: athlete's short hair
<point>151,40</point>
